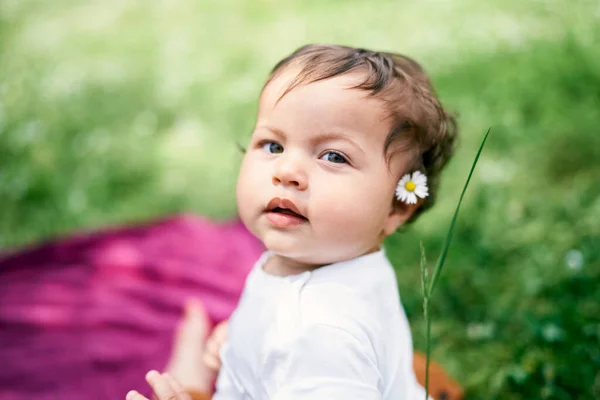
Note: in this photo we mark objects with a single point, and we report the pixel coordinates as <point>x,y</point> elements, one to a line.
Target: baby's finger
<point>183,394</point>
<point>221,339</point>
<point>133,395</point>
<point>220,332</point>
<point>211,361</point>
<point>161,386</point>
<point>213,347</point>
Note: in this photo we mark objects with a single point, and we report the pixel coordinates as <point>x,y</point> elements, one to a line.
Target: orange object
<point>195,395</point>
<point>441,385</point>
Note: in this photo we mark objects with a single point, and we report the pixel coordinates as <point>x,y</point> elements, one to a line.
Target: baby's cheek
<point>367,209</point>
<point>248,202</point>
<point>348,219</point>
<point>250,184</point>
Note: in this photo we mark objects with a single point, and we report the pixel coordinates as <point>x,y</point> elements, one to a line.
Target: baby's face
<point>314,184</point>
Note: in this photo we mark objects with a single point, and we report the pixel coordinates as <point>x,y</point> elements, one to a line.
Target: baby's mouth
<point>287,211</point>
<point>283,213</point>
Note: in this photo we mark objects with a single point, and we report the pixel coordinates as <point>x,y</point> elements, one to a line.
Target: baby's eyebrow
<point>275,131</point>
<point>332,136</point>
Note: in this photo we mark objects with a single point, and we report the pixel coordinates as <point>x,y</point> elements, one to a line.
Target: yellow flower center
<point>410,186</point>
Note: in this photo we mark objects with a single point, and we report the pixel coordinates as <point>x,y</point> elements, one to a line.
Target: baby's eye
<point>272,147</point>
<point>334,157</point>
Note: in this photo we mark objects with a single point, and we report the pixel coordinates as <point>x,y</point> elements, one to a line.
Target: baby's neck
<point>283,266</point>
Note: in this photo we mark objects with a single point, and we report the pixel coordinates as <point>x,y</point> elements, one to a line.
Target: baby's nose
<point>290,172</point>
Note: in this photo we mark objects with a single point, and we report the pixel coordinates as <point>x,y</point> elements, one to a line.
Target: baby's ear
<point>399,214</point>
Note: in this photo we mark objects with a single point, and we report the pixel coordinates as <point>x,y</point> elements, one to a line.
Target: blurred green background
<point>116,111</point>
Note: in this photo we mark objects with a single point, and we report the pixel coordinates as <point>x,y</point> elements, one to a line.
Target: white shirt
<point>338,332</point>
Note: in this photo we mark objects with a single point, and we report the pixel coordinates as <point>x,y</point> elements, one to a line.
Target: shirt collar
<point>358,271</point>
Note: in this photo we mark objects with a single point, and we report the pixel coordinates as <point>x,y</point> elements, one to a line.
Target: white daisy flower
<point>412,186</point>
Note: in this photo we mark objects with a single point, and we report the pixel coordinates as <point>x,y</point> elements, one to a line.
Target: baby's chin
<point>304,247</point>
<point>295,250</point>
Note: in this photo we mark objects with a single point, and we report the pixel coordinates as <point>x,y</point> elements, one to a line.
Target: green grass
<point>428,284</point>
<point>119,111</point>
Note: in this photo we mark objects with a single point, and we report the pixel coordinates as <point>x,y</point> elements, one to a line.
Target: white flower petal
<point>418,174</point>
<point>412,199</point>
<point>404,179</point>
<point>403,195</point>
<point>421,191</point>
<point>400,189</point>
<point>419,179</point>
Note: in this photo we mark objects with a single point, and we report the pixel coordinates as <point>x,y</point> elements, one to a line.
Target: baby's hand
<point>217,338</point>
<point>164,387</point>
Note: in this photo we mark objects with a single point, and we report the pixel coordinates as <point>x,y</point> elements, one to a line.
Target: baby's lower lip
<point>284,220</point>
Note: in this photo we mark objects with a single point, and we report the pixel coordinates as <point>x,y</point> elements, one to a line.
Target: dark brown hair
<point>420,125</point>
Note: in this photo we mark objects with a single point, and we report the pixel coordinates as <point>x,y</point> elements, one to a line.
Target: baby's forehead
<point>329,104</point>
<point>278,86</point>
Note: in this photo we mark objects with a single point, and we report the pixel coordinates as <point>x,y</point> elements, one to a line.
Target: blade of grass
<point>427,350</point>
<point>425,281</point>
<point>446,246</point>
<point>424,284</point>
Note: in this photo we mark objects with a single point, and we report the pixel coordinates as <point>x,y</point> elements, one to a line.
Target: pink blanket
<point>86,317</point>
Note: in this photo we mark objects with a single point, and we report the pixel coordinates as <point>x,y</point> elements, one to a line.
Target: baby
<point>348,146</point>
